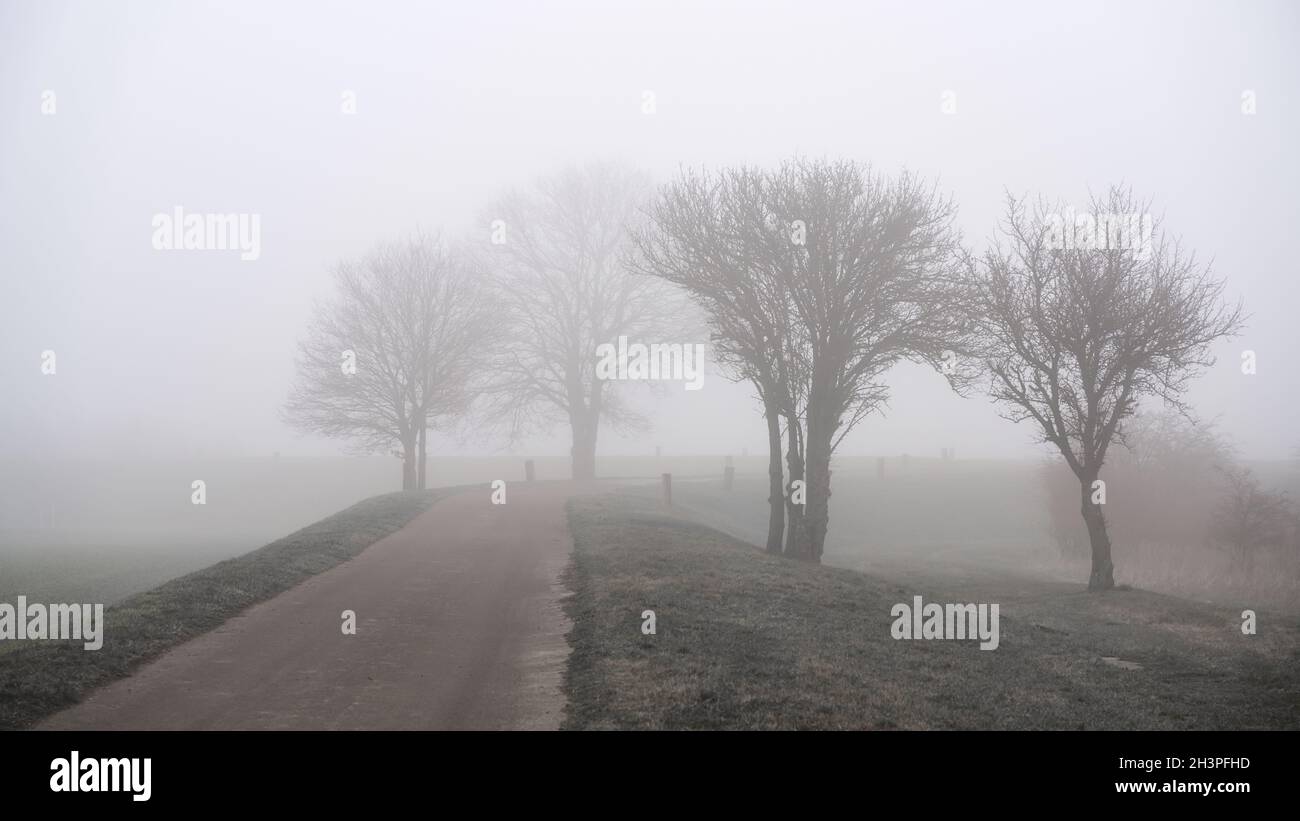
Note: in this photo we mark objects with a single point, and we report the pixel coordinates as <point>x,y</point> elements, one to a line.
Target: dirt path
<point>458,627</point>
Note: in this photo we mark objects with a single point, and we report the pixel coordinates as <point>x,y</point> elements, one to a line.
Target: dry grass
<point>750,641</point>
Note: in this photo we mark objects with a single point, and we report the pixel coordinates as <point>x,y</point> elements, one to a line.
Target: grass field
<point>131,527</point>
<point>969,521</point>
<point>99,531</point>
<point>38,679</point>
<point>750,641</point>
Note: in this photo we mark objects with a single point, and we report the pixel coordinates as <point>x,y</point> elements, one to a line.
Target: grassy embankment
<point>750,641</point>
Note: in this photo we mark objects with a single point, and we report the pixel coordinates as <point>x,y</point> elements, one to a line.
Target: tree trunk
<point>1103,571</point>
<point>817,483</point>
<point>423,458</point>
<point>796,535</point>
<point>1248,561</point>
<point>775,479</point>
<point>822,420</point>
<point>584,448</point>
<point>408,462</point>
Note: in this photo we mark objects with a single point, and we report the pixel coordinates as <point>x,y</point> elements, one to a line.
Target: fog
<point>185,359</point>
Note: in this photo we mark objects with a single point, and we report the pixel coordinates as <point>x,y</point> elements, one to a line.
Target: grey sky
<point>235,107</point>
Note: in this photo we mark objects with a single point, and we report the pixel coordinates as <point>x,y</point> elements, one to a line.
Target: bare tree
<point>706,235</point>
<point>559,255</point>
<point>1250,519</point>
<point>397,350</point>
<point>1078,320</point>
<point>867,266</point>
<point>816,278</point>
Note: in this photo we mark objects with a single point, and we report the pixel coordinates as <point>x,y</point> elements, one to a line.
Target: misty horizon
<point>167,355</point>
